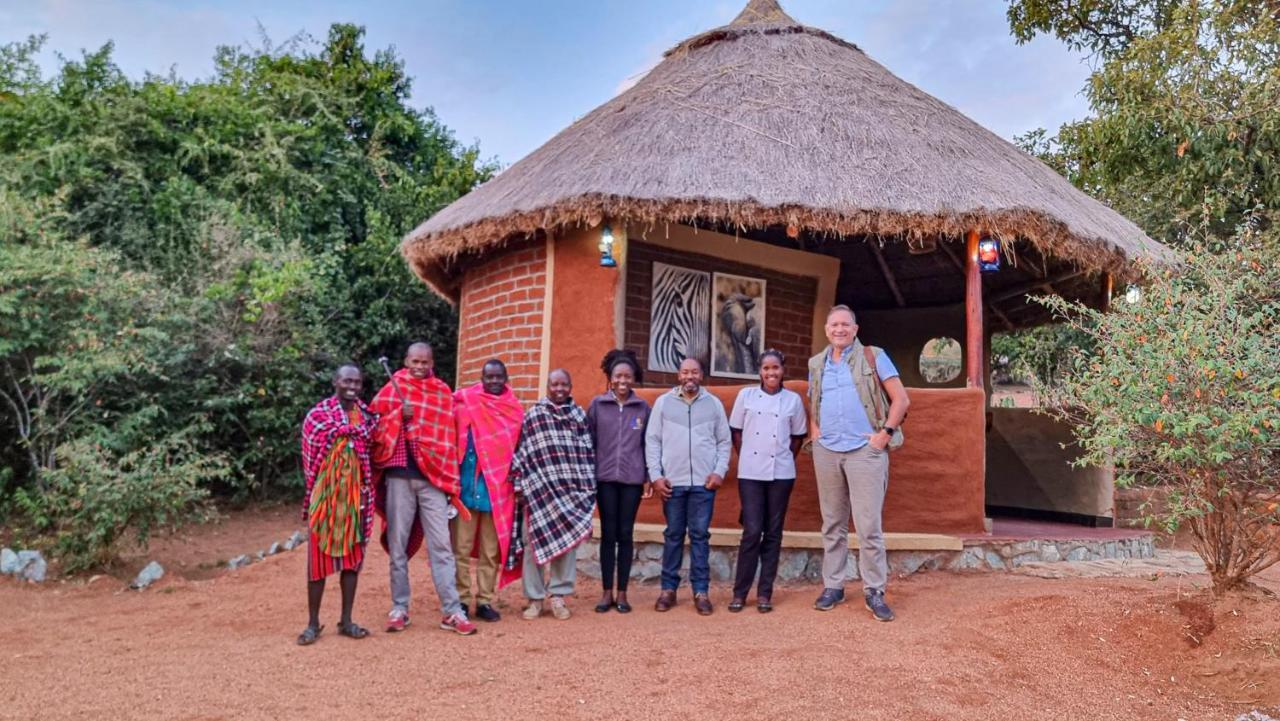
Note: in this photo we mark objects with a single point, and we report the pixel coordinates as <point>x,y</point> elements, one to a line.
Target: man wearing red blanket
<point>416,470</point>
<point>488,416</point>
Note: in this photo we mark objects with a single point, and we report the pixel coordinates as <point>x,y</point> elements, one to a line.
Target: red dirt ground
<point>219,645</point>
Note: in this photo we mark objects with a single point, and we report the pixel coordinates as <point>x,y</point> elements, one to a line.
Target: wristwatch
<point>890,430</point>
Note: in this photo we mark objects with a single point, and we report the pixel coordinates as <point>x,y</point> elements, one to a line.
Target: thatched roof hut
<point>761,173</point>
<point>766,122</point>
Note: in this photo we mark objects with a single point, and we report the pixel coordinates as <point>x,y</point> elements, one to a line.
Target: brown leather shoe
<point>666,600</point>
<point>702,602</point>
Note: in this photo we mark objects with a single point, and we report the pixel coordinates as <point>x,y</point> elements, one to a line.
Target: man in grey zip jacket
<point>687,449</point>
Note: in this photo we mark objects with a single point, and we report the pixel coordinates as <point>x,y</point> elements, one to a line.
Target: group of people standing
<point>489,487</point>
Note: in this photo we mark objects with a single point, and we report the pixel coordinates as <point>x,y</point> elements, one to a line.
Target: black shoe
<point>737,604</point>
<point>830,598</point>
<point>877,606</point>
<point>485,612</point>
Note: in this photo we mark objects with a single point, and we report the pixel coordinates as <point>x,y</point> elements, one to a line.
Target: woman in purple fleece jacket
<point>617,420</point>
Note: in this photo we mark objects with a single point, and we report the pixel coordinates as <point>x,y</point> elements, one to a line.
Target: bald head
<point>420,360</point>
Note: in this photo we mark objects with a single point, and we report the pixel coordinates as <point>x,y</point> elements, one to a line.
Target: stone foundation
<point>805,564</point>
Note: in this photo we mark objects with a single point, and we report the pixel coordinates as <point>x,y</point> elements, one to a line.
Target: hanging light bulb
<point>606,248</point>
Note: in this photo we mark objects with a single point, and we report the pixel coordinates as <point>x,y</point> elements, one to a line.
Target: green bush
<point>1182,389</point>
<point>95,498</point>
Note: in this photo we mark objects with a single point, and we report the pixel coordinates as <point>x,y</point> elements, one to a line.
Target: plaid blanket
<point>554,470</point>
<point>325,424</point>
<point>494,423</point>
<point>431,434</point>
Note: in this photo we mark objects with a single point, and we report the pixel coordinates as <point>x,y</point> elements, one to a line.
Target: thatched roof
<point>768,122</point>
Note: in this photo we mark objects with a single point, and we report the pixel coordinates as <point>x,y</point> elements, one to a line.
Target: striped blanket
<point>338,503</point>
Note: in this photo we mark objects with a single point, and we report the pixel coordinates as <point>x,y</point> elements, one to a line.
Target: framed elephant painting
<point>737,325</point>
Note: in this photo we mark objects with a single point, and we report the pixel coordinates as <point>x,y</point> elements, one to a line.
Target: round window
<point>940,360</point>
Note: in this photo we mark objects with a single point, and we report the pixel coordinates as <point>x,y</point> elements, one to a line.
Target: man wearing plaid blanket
<point>553,472</point>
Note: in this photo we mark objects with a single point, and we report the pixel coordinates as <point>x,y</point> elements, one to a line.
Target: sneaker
<point>533,610</point>
<point>830,598</point>
<point>558,609</point>
<point>458,623</point>
<point>877,606</point>
<point>487,613</point>
<point>397,621</point>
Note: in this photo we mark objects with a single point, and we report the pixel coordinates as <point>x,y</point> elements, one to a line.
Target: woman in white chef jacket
<point>768,424</point>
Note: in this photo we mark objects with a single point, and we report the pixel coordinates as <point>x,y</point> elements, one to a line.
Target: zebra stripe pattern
<point>679,317</point>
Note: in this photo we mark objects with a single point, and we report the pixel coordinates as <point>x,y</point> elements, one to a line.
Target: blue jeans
<point>688,510</point>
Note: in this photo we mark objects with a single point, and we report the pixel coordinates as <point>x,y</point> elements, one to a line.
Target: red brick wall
<point>500,316</point>
<point>788,313</point>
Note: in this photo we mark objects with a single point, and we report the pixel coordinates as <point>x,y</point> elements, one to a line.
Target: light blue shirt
<point>843,422</point>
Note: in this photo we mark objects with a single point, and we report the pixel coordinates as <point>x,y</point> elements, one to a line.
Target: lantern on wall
<point>606,248</point>
<point>989,255</point>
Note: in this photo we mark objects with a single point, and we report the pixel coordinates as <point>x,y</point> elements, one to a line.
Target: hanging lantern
<point>989,255</point>
<point>606,248</point>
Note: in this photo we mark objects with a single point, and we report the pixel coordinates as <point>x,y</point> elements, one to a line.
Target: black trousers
<point>764,508</point>
<point>618,503</point>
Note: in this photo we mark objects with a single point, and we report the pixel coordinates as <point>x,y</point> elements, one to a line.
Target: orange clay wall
<point>500,316</point>
<point>936,480</point>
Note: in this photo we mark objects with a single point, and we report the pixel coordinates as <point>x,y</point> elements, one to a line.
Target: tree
<point>1186,108</point>
<point>1182,389</point>
<point>182,263</point>
<point>267,201</point>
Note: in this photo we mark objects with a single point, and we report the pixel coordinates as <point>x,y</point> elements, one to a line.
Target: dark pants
<point>618,504</point>
<point>688,510</point>
<point>764,508</point>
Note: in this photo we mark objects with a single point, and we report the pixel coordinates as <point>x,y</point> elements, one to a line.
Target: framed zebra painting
<point>737,318</point>
<point>679,317</point>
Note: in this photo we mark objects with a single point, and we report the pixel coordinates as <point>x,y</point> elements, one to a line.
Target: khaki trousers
<point>465,535</point>
<point>852,484</point>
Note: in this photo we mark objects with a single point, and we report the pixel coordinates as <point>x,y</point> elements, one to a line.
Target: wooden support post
<point>973,313</point>
<point>1108,286</point>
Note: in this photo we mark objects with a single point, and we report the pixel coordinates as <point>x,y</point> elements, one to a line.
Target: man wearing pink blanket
<point>488,416</point>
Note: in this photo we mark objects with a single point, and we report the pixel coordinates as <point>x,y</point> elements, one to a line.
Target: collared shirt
<point>767,422</point>
<point>475,493</point>
<point>844,423</point>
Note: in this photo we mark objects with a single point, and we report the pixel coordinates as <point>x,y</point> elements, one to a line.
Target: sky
<point>510,74</point>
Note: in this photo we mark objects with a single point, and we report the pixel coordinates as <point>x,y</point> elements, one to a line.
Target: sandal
<point>309,635</point>
<point>351,630</point>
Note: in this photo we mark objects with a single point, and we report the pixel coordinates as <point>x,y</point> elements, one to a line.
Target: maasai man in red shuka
<point>488,416</point>
<point>338,506</point>
<point>415,457</point>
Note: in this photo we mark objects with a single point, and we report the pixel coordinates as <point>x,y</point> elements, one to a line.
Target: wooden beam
<point>888,274</point>
<point>1108,286</point>
<point>1008,324</point>
<point>1025,288</point>
<point>973,312</point>
<point>955,260</point>
<point>951,254</point>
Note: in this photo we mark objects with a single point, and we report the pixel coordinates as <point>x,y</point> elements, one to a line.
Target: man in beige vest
<point>853,428</point>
